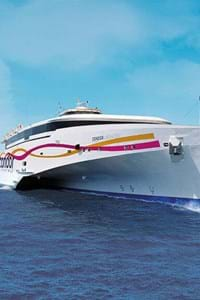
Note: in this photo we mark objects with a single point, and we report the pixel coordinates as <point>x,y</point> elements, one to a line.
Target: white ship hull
<point>126,160</point>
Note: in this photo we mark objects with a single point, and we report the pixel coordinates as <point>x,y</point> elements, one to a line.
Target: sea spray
<point>6,188</point>
<point>192,206</point>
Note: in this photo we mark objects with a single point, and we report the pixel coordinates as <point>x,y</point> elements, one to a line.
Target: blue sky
<point>128,57</point>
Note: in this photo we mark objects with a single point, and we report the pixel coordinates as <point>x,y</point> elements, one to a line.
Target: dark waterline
<point>64,245</point>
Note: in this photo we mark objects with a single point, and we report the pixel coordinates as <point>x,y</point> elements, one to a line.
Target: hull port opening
<point>31,183</point>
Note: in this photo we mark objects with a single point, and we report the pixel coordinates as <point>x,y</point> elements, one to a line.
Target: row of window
<point>52,126</point>
<point>6,162</point>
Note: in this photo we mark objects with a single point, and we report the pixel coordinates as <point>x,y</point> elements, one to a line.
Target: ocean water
<point>62,245</point>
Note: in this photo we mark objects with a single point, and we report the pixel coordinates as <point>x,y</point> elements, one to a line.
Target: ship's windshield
<point>81,112</point>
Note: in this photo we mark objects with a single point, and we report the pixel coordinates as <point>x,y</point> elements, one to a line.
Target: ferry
<point>82,149</point>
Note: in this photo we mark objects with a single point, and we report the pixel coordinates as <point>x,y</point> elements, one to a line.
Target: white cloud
<point>78,33</point>
<point>174,84</point>
<point>73,33</point>
<point>168,20</point>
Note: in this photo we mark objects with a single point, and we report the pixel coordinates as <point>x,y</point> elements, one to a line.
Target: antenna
<point>60,107</point>
<point>199,111</point>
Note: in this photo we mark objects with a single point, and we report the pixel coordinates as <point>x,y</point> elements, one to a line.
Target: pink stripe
<point>147,145</point>
<point>154,144</point>
<point>131,147</point>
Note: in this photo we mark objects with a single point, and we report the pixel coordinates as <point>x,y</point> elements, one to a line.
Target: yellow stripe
<point>131,138</point>
<point>19,150</point>
<point>56,156</point>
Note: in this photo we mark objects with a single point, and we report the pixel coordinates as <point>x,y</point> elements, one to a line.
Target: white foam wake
<point>192,206</point>
<point>6,187</point>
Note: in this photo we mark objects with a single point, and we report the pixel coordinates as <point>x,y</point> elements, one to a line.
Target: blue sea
<point>56,244</point>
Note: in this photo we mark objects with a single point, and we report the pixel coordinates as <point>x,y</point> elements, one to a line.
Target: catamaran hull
<point>159,163</point>
<point>145,176</point>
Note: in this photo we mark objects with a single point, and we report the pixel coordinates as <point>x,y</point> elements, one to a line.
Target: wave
<point>193,206</point>
<point>6,188</point>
